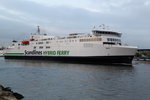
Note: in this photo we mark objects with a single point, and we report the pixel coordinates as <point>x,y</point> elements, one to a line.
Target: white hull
<point>82,50</point>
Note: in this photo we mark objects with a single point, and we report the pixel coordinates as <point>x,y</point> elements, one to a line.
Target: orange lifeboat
<point>25,42</point>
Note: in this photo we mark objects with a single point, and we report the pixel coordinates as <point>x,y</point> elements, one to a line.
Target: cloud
<point>65,16</point>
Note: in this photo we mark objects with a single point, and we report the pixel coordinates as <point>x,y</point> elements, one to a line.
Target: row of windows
<point>47,39</point>
<point>70,41</point>
<point>105,32</point>
<point>41,47</point>
<point>79,36</point>
<point>71,36</point>
<point>112,39</point>
<point>57,41</point>
<point>91,39</point>
<point>20,44</point>
<point>111,43</point>
<point>81,40</point>
<point>42,42</point>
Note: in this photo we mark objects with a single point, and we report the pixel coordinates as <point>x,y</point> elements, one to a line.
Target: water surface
<point>46,80</point>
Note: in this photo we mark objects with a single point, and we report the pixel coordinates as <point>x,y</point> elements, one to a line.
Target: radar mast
<point>38,31</point>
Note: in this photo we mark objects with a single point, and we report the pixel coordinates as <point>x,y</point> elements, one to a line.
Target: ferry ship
<point>98,46</point>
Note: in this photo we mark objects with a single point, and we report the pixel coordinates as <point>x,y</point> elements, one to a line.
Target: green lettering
<point>59,52</point>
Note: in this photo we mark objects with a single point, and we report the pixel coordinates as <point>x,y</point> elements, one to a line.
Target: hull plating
<point>82,59</point>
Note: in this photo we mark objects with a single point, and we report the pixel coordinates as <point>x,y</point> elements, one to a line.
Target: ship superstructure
<point>99,46</point>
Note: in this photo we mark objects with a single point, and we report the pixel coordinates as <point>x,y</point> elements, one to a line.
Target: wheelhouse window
<point>110,43</point>
<point>113,39</point>
<point>99,33</point>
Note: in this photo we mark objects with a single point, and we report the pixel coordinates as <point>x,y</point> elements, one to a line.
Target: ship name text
<point>58,52</point>
<point>34,52</point>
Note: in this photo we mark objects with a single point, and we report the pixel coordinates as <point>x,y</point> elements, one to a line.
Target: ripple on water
<point>45,80</point>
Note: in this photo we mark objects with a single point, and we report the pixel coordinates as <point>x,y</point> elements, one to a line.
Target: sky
<point>20,18</point>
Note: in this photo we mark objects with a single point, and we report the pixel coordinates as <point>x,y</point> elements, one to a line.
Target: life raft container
<point>25,42</point>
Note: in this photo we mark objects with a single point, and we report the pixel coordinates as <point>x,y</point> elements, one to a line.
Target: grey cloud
<point>129,16</point>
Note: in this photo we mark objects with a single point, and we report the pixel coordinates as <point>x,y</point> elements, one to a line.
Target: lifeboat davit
<point>32,39</point>
<point>25,42</point>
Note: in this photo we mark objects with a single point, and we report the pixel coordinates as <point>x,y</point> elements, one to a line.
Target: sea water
<point>47,80</point>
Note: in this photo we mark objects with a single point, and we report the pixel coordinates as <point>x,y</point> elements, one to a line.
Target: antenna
<point>38,31</point>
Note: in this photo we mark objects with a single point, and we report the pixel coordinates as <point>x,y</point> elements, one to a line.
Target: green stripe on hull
<point>14,54</point>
